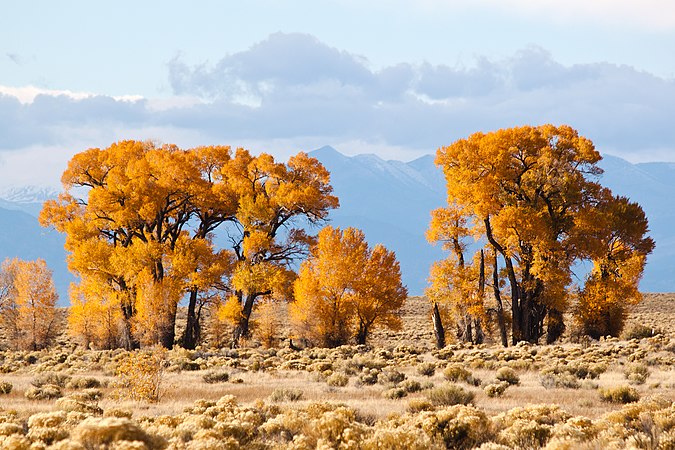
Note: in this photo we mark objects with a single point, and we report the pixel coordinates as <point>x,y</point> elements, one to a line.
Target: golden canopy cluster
<point>140,221</point>
<point>530,200</point>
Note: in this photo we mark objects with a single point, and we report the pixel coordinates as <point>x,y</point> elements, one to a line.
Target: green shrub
<point>496,389</point>
<point>619,394</point>
<point>286,395</point>
<point>57,379</point>
<point>46,392</point>
<point>636,373</point>
<point>640,332</point>
<point>337,380</point>
<point>509,375</point>
<point>83,383</point>
<point>390,376</point>
<point>559,380</point>
<point>216,377</point>
<point>426,369</point>
<point>395,393</point>
<point>455,372</point>
<point>450,394</point>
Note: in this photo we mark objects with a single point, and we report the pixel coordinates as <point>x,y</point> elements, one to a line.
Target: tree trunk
<point>498,299</point>
<point>242,328</point>
<point>479,335</point>
<point>516,298</point>
<point>555,327</point>
<point>362,334</point>
<point>167,335</point>
<point>439,331</point>
<point>192,333</point>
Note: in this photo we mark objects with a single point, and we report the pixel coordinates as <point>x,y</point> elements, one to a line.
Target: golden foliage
<point>346,288</point>
<point>28,304</point>
<point>139,219</point>
<point>529,193</point>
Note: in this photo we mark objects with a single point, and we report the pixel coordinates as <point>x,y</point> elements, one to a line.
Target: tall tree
<point>28,307</point>
<point>140,219</point>
<point>275,202</point>
<point>619,251</point>
<point>523,191</point>
<point>347,289</point>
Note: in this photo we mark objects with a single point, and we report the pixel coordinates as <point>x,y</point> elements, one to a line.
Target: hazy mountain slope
<point>391,202</point>
<point>23,237</point>
<point>652,185</point>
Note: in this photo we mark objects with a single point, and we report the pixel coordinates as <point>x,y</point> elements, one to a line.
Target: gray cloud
<point>293,87</point>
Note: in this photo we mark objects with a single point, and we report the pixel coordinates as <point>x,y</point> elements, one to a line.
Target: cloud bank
<point>292,88</point>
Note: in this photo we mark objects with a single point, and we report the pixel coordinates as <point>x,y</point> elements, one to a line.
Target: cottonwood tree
<point>28,298</point>
<point>523,193</point>
<point>347,289</point>
<point>140,219</point>
<point>619,227</point>
<point>275,202</point>
<point>455,283</point>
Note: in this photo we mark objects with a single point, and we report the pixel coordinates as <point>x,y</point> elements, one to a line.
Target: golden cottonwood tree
<point>523,191</point>
<point>139,220</point>
<point>619,251</point>
<point>125,213</point>
<point>453,282</point>
<point>346,289</point>
<point>28,305</point>
<point>275,201</point>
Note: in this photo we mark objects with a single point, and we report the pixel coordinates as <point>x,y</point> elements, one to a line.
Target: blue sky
<point>396,78</point>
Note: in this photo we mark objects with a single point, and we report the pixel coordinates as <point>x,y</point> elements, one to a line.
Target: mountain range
<point>391,202</point>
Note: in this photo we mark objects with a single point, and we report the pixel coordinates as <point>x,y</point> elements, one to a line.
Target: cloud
<point>295,91</point>
<point>650,15</point>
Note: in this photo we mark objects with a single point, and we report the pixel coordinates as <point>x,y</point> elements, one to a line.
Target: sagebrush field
<point>396,393</point>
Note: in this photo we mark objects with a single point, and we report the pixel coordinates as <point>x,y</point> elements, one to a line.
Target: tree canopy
<point>346,289</point>
<point>140,221</point>
<point>530,196</point>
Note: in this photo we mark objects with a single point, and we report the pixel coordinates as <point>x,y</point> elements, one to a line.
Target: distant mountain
<point>22,236</point>
<point>391,202</point>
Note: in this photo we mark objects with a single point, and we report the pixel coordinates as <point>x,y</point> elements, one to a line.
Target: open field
<point>399,393</point>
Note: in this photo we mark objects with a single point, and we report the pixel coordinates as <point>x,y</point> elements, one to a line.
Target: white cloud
<point>27,94</point>
<point>320,95</point>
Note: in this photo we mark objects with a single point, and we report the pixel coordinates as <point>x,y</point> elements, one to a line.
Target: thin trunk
<point>478,332</point>
<point>498,299</point>
<point>439,331</point>
<point>516,301</point>
<point>167,335</point>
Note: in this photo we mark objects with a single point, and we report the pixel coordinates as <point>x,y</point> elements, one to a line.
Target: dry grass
<point>372,411</point>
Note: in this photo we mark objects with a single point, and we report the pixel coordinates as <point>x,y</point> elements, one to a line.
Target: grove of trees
<point>140,219</point>
<point>150,226</point>
<point>526,200</point>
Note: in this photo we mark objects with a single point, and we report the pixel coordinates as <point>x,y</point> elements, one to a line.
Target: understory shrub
<point>450,394</point>
<point>619,394</point>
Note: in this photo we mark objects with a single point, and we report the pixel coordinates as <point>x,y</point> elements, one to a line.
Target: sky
<point>398,78</point>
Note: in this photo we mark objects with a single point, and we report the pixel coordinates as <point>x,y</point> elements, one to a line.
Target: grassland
<point>398,392</point>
